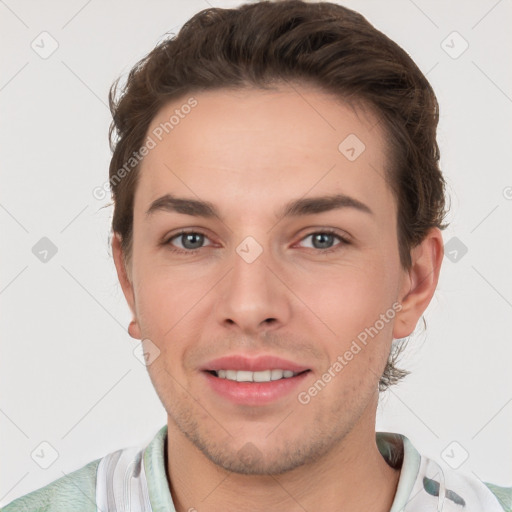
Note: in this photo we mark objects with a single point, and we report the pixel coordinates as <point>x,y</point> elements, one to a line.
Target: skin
<point>250,152</point>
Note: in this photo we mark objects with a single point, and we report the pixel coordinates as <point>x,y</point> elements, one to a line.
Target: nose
<point>253,297</point>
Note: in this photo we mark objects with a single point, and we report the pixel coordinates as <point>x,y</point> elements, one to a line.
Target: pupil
<point>321,237</point>
<point>189,237</point>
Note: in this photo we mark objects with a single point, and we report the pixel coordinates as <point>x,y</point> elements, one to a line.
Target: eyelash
<point>190,252</point>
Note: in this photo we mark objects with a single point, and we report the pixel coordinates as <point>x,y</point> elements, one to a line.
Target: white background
<point>68,373</point>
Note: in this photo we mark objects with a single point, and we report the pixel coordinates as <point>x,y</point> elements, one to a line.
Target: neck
<point>352,477</point>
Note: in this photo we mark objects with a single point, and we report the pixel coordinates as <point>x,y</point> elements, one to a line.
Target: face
<point>292,263</point>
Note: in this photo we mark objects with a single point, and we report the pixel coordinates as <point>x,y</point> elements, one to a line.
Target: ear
<point>126,284</point>
<point>419,283</point>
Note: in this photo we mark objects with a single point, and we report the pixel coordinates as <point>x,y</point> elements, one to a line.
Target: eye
<point>191,241</point>
<point>324,239</point>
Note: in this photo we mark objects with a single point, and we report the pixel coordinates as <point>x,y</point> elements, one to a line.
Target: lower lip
<point>254,393</point>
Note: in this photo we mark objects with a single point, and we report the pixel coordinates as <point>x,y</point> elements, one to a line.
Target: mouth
<point>269,375</point>
<point>254,380</point>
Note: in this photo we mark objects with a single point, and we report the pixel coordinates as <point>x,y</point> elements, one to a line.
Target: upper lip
<point>252,364</point>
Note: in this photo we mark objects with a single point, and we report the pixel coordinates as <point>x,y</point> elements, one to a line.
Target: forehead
<point>276,145</point>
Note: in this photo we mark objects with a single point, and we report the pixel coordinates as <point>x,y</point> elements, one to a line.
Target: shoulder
<point>502,494</point>
<point>75,491</point>
<point>456,488</point>
<point>119,477</point>
<point>428,485</point>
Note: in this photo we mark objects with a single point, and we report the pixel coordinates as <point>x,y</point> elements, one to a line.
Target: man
<point>277,227</point>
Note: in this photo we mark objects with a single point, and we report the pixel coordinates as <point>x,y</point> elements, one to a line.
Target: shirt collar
<point>395,448</point>
<point>400,453</point>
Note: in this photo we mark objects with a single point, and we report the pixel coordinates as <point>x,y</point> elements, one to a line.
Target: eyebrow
<point>298,207</point>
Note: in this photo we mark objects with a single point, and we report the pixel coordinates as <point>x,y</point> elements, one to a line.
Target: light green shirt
<point>135,479</point>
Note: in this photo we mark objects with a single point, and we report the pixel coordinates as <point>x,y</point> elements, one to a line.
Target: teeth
<point>243,376</point>
<point>263,376</point>
<point>277,374</point>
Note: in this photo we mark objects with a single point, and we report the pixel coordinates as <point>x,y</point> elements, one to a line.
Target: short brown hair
<point>267,44</point>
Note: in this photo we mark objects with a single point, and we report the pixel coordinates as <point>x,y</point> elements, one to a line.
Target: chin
<point>272,460</point>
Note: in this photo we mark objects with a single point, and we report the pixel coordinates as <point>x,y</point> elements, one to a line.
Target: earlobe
<point>126,284</point>
<point>421,283</point>
<point>134,330</point>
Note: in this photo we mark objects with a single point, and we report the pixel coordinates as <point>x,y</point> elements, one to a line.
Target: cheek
<point>359,308</point>
<point>349,298</point>
<point>168,291</point>
<point>354,310</point>
<point>161,303</point>
<point>172,310</point>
